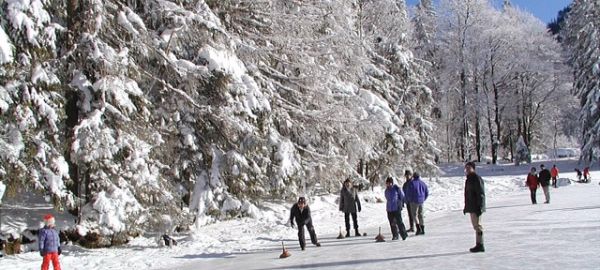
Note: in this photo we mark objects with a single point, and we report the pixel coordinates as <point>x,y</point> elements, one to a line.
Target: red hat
<point>49,220</point>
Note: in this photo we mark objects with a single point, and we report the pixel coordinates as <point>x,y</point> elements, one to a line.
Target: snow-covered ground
<point>562,235</point>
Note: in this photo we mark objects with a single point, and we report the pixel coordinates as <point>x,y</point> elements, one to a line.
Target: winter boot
<point>318,244</point>
<point>422,229</point>
<point>477,248</point>
<point>411,229</point>
<point>347,233</point>
<point>356,233</point>
<point>478,243</point>
<point>395,237</point>
<point>418,230</point>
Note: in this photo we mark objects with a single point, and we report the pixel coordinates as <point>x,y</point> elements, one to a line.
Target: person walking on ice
<point>544,179</point>
<point>49,243</point>
<point>349,204</point>
<point>301,213</point>
<point>416,194</point>
<point>554,173</point>
<point>532,183</point>
<point>411,221</point>
<point>475,204</point>
<point>394,202</point>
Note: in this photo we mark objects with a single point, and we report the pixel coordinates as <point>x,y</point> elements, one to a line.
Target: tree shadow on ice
<point>366,261</point>
<point>571,209</point>
<point>508,206</point>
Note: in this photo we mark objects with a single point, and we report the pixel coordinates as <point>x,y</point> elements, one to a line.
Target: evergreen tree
<point>582,38</point>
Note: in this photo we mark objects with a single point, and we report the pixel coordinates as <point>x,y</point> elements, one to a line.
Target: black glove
<point>59,250</point>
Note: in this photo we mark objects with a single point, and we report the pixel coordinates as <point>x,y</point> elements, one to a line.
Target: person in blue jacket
<point>49,244</point>
<point>416,194</point>
<point>395,200</point>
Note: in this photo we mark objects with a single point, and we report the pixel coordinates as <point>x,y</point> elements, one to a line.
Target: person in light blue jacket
<point>416,194</point>
<point>395,200</point>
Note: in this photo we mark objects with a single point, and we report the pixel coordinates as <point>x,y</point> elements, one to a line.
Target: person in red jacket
<point>554,174</point>
<point>532,183</point>
<point>586,175</point>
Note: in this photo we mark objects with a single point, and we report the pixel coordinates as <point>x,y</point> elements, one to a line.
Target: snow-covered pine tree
<point>31,98</point>
<point>139,114</point>
<point>582,39</point>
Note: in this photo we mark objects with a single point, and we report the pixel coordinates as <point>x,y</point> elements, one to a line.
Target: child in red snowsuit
<point>49,244</point>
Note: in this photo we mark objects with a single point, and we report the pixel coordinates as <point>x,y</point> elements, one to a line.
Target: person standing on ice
<point>554,174</point>
<point>49,244</point>
<point>301,212</point>
<point>475,204</point>
<point>394,203</point>
<point>349,204</point>
<point>544,179</point>
<point>411,221</point>
<point>532,183</point>
<point>586,174</point>
<point>578,172</point>
<point>416,194</point>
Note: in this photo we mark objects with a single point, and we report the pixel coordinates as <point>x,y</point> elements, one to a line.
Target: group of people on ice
<point>547,178</point>
<point>413,194</point>
<point>586,175</point>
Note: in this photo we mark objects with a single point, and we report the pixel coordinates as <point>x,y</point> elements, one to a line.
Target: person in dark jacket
<point>544,179</point>
<point>416,194</point>
<point>349,204</point>
<point>578,172</point>
<point>49,244</point>
<point>411,221</point>
<point>301,212</point>
<point>532,183</point>
<point>395,201</point>
<point>475,204</point>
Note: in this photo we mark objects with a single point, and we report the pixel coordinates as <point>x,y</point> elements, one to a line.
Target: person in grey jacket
<point>349,204</point>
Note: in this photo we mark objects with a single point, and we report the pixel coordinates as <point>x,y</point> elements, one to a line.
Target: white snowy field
<point>564,234</point>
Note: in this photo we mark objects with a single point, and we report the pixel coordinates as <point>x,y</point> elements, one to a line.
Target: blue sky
<point>546,10</point>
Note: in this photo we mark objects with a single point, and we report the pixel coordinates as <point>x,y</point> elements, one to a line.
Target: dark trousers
<point>396,224</point>
<point>533,197</point>
<point>311,232</point>
<point>554,182</point>
<point>411,220</point>
<point>347,219</point>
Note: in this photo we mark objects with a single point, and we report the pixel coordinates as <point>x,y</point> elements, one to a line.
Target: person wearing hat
<point>349,204</point>
<point>475,204</point>
<point>394,202</point>
<point>49,244</point>
<point>411,220</point>
<point>301,212</point>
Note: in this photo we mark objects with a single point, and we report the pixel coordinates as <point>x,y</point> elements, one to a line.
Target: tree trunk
<point>477,119</point>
